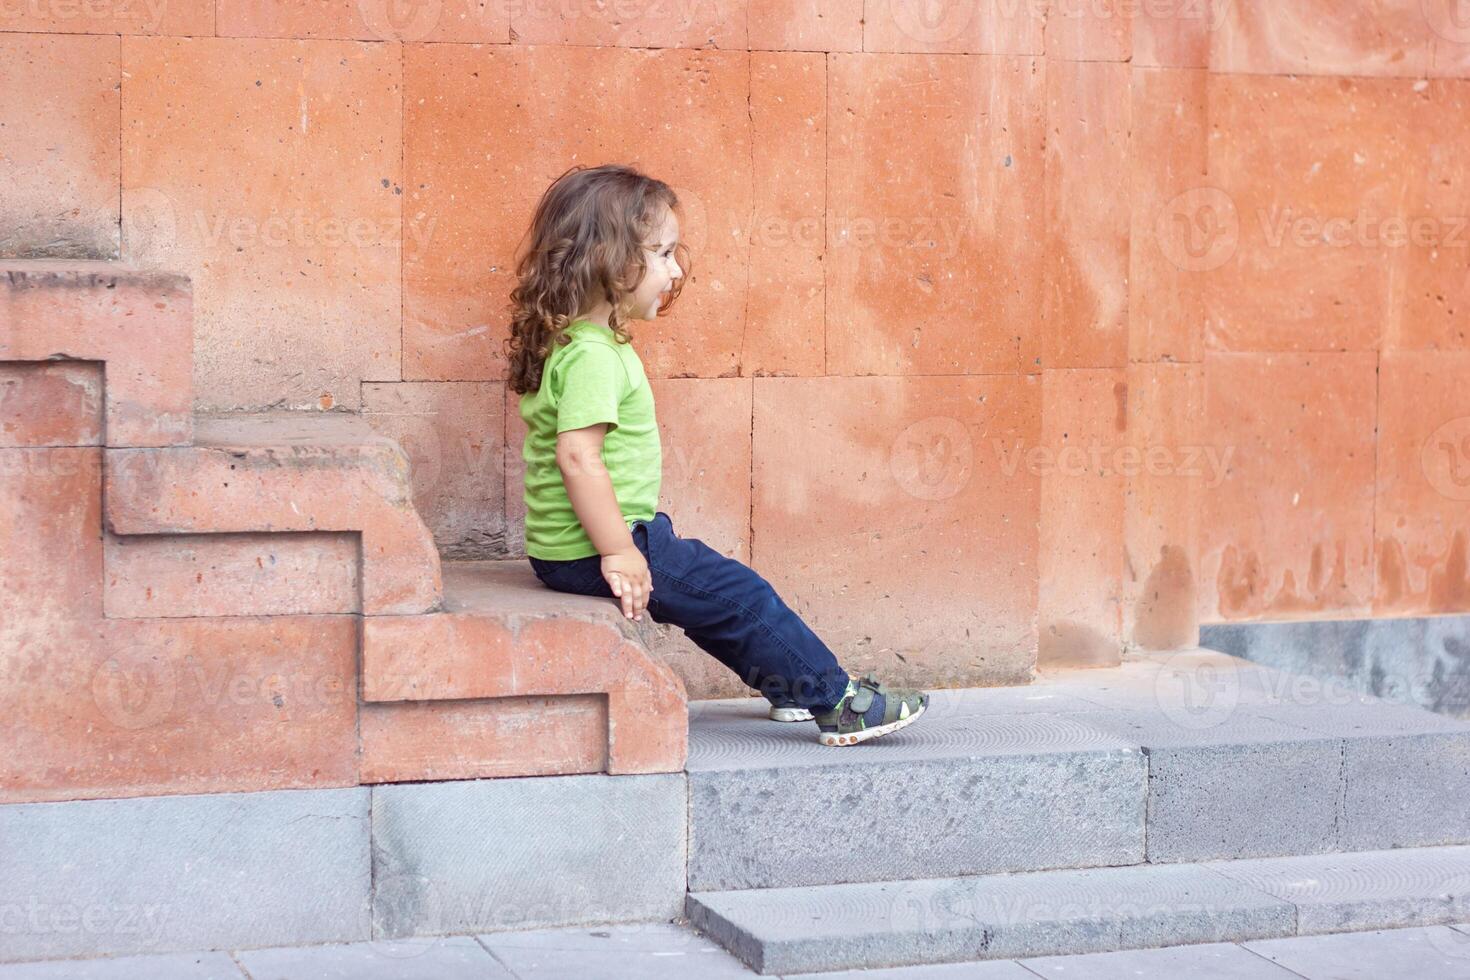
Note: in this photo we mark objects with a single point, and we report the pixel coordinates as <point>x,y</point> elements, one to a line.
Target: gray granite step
<point>1051,913</point>
<point>1196,756</point>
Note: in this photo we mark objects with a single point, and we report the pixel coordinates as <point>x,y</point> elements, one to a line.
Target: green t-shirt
<point>592,379</point>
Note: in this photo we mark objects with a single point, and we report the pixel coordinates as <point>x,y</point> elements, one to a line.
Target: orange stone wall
<point>1017,330</point>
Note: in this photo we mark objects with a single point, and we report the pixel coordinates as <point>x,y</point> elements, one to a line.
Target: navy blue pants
<point>728,610</point>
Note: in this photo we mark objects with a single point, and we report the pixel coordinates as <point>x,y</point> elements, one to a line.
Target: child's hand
<point>628,576</point>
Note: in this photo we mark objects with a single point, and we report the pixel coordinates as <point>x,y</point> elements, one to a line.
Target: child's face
<point>663,269</point>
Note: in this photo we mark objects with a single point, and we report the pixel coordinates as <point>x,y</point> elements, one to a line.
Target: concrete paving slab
<point>436,958</point>
<point>160,966</point>
<point>1428,953</point>
<point>1205,961</point>
<point>648,951</point>
<point>1363,891</point>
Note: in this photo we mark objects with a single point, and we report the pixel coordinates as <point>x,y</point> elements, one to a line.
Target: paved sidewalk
<point>666,951</point>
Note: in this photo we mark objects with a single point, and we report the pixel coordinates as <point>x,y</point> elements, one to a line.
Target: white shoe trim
<point>853,738</point>
<point>790,714</point>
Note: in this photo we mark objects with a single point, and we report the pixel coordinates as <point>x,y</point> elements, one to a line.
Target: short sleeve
<point>589,382</point>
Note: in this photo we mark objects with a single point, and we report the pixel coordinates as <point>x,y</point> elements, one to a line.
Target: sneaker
<point>788,711</point>
<point>869,709</point>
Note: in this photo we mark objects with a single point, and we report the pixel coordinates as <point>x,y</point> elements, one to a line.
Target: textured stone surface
<point>787,930</point>
<point>296,270</point>
<point>50,403</point>
<point>1242,786</point>
<point>1176,228</point>
<point>971,28</point>
<point>1421,511</point>
<point>1166,469</point>
<point>1319,37</point>
<point>185,872</point>
<point>1408,661</point>
<point>441,958</point>
<point>287,471</point>
<point>230,575</point>
<point>785,330</point>
<point>1216,961</point>
<point>1406,790</point>
<point>1434,952</point>
<point>59,168</point>
<point>899,236</point>
<point>466,139</point>
<point>454,434</point>
<point>1084,422</point>
<point>499,854</point>
<point>163,706</point>
<point>650,951</point>
<point>137,321</point>
<point>187,18</point>
<point>824,25</point>
<point>1084,305</point>
<point>637,25</point>
<point>1305,175</point>
<point>175,966</point>
<point>369,20</point>
<point>1287,532</point>
<point>477,738</point>
<point>1369,890</point>
<point>936,476</point>
<point>502,634</point>
<point>957,793</point>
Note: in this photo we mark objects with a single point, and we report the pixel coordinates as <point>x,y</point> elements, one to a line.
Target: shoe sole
<point>853,738</point>
<point>790,714</point>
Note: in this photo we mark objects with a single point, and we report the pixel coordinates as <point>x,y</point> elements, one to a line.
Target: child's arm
<point>590,490</point>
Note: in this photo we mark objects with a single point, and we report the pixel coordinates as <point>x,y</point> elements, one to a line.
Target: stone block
<point>1287,532</point>
<point>477,738</point>
<point>500,854</point>
<point>899,228</point>
<point>167,575</point>
<point>139,322</point>
<point>297,271</point>
<point>50,403</point>
<point>59,175</point>
<point>214,871</point>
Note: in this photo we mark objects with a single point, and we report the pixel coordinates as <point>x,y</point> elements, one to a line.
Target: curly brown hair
<point>585,245</point>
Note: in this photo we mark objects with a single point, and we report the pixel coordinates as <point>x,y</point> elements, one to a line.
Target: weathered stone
<point>139,322</point>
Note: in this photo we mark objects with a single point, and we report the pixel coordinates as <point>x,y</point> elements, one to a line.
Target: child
<point>601,253</point>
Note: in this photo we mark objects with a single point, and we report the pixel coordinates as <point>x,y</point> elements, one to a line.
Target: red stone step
<point>283,471</point>
<point>503,635</point>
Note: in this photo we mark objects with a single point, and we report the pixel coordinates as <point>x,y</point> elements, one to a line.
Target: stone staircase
<point>251,602</point>
<point>1176,799</point>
